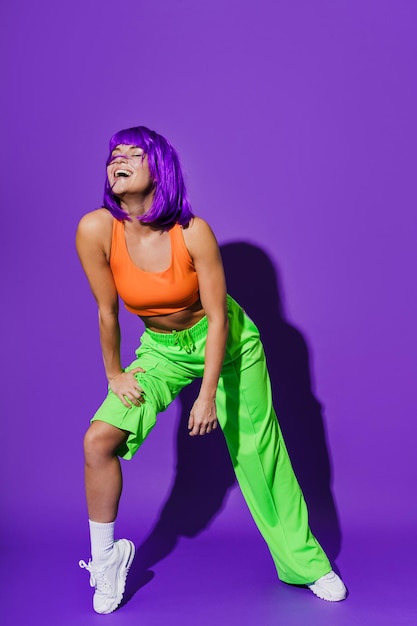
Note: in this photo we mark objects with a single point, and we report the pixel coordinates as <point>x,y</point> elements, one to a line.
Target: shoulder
<point>95,223</point>
<point>94,232</point>
<point>199,238</point>
<point>198,231</point>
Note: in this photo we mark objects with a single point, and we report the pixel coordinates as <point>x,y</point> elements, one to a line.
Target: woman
<point>148,247</point>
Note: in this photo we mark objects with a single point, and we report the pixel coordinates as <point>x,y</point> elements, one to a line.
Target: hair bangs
<point>127,137</point>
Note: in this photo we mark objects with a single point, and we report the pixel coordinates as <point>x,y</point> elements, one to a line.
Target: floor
<point>221,575</point>
<point>200,559</point>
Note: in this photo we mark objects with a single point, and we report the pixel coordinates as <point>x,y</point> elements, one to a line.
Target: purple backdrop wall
<point>297,129</point>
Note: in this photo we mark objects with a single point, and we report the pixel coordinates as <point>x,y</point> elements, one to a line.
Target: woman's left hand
<point>203,417</point>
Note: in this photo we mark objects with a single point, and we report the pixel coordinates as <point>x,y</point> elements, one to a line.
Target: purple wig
<point>170,204</point>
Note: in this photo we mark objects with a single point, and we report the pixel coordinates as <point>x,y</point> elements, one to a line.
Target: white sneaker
<point>110,579</point>
<point>329,587</point>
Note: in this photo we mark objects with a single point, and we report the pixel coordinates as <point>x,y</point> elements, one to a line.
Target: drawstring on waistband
<point>184,340</point>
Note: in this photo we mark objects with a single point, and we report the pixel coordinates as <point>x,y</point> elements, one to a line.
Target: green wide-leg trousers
<point>250,426</point>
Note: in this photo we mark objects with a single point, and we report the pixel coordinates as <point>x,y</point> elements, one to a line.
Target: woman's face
<point>128,171</point>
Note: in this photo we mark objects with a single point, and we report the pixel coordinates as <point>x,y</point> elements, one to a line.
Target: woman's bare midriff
<point>174,321</point>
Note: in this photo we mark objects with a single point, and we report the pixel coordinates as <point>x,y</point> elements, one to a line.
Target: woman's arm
<point>93,245</point>
<point>205,253</point>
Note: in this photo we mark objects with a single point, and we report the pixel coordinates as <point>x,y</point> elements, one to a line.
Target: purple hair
<point>170,203</point>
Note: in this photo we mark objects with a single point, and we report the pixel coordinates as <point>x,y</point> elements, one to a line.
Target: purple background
<point>296,124</point>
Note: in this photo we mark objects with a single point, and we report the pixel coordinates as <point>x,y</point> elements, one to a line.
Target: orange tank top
<point>154,293</point>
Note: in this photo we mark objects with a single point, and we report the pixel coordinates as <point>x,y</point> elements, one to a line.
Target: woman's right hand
<point>126,387</point>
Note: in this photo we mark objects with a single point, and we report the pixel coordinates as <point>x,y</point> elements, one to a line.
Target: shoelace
<point>97,578</point>
<point>184,340</point>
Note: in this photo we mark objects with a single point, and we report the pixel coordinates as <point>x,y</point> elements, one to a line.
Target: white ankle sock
<point>102,540</point>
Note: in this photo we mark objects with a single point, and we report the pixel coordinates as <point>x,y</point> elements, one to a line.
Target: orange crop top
<point>154,293</point>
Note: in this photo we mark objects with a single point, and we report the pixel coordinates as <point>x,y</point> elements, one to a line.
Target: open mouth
<point>122,173</point>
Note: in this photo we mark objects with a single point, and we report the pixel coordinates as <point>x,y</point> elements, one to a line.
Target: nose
<point>119,158</point>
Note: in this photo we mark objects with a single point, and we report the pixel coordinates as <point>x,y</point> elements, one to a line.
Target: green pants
<point>247,418</point>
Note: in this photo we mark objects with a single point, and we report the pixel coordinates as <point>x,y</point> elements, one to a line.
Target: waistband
<point>178,337</point>
<point>185,339</point>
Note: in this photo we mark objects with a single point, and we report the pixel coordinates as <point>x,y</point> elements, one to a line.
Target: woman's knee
<point>102,440</point>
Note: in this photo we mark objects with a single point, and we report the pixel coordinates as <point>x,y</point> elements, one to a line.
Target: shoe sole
<point>122,575</point>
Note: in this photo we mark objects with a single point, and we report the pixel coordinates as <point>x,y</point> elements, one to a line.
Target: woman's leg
<point>103,486</point>
<point>260,458</point>
<point>103,481</point>
<point>103,475</point>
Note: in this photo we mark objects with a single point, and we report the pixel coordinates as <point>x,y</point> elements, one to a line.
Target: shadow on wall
<point>201,485</point>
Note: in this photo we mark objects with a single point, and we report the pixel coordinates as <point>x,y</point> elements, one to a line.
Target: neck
<point>136,205</point>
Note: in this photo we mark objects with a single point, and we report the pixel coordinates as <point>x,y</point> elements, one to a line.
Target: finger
<point>138,398</point>
<point>125,401</point>
<point>129,397</point>
<point>195,430</point>
<point>210,427</point>
<point>136,370</point>
<point>136,395</point>
<point>204,429</point>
